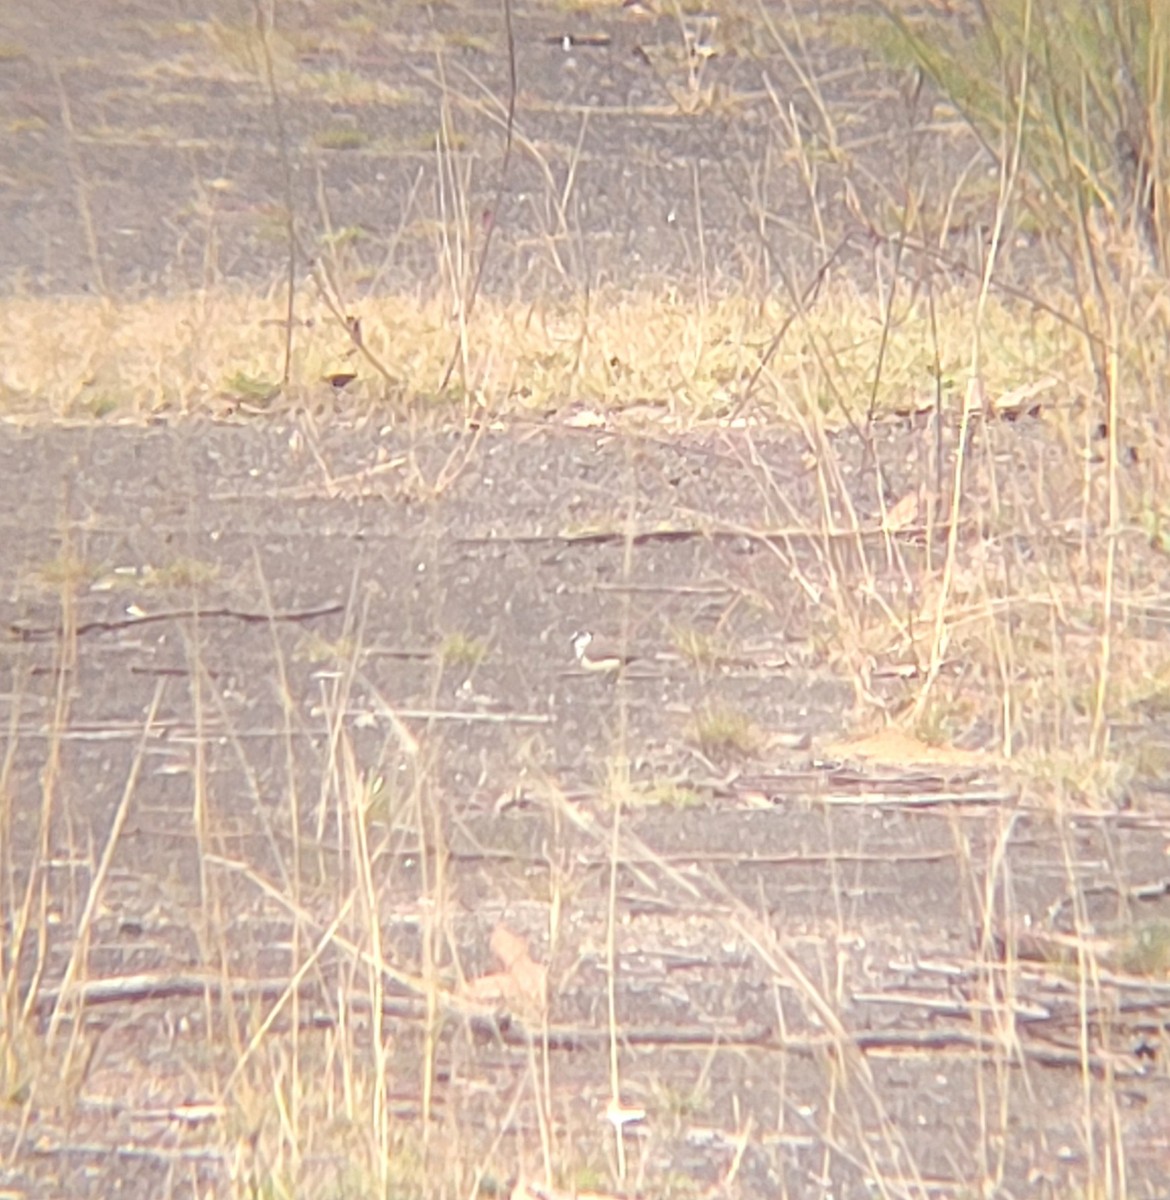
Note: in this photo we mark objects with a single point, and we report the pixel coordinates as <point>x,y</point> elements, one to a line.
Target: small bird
<point>593,656</point>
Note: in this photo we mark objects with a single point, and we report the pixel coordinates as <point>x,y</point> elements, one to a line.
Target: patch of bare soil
<point>311,813</point>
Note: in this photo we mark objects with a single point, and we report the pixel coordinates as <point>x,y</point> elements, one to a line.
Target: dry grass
<point>1050,662</point>
<point>666,357</point>
<point>725,734</point>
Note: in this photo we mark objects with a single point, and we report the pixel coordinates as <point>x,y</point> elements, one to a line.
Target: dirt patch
<point>243,737</point>
<point>144,154</point>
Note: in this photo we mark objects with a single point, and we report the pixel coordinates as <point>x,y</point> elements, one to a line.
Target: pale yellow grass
<point>660,354</point>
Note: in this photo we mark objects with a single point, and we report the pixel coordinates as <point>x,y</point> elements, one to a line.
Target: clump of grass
<point>724,732</point>
<point>462,39</point>
<point>317,650</point>
<point>182,573</point>
<point>344,138</point>
<point>661,794</point>
<point>1026,66</point>
<point>235,51</point>
<point>341,86</point>
<point>1143,950</point>
<point>462,650</point>
<point>67,570</point>
<point>701,650</point>
<point>675,795</point>
<point>346,235</point>
<point>1075,779</point>
<point>1147,950</point>
<point>252,389</point>
<point>949,714</point>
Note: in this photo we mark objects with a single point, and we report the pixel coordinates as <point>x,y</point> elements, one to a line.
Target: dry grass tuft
<point>722,732</point>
